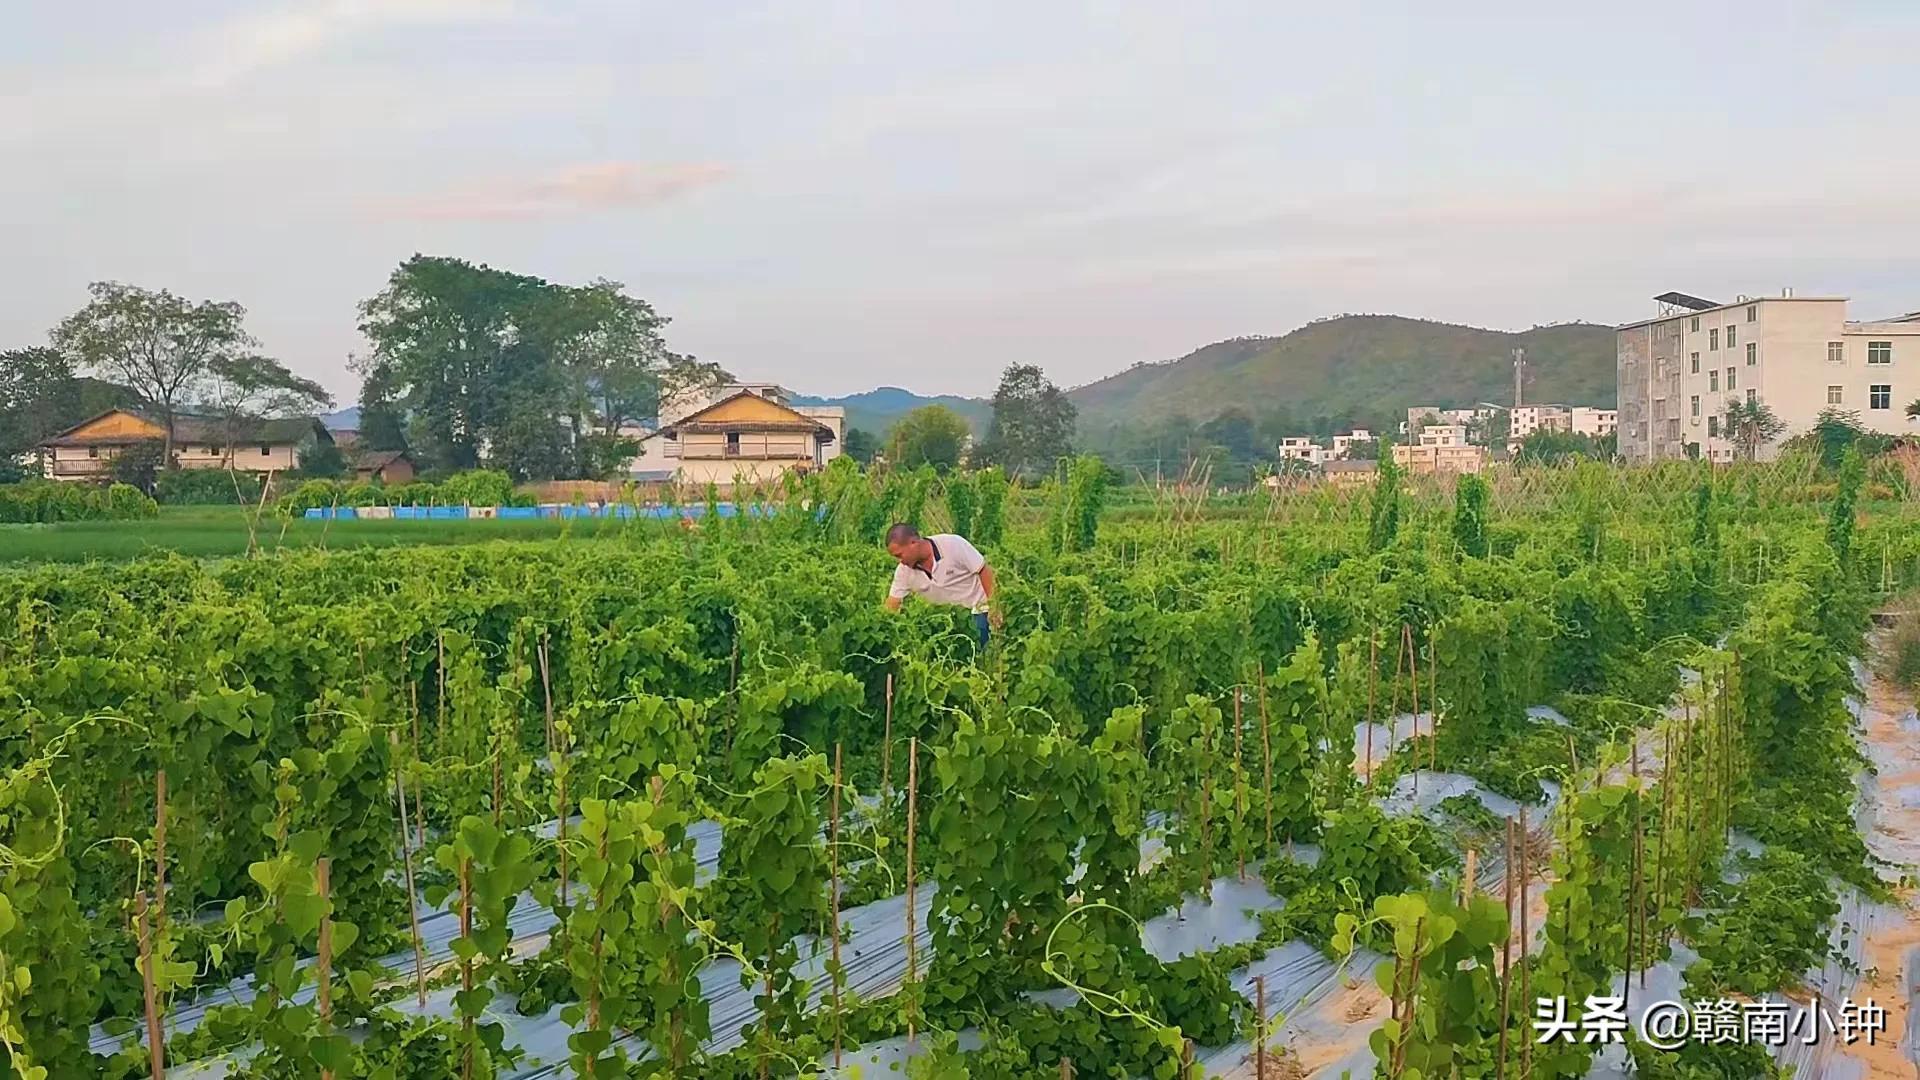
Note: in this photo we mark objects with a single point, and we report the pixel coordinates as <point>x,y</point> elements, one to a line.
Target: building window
<point>1713,427</point>
<point>266,451</point>
<point>1834,394</point>
<point>1713,339</point>
<point>1696,408</point>
<point>1880,396</point>
<point>93,451</point>
<point>1695,328</point>
<point>1751,395</point>
<point>1753,353</point>
<point>1879,352</point>
<point>1730,372</point>
<point>1730,335</point>
<point>1713,380</point>
<point>1695,361</point>
<point>1753,312</point>
<point>1836,352</point>
<point>733,444</point>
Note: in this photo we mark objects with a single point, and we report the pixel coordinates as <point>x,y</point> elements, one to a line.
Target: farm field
<point>1337,783</point>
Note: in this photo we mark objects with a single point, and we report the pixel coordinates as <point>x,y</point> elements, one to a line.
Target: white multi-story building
<point>1680,371</point>
<point>1594,423</point>
<point>1528,419</point>
<point>1301,448</point>
<point>1443,435</point>
<point>1343,444</point>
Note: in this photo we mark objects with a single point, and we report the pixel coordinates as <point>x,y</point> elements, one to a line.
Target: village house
<point>750,435</point>
<point>86,450</point>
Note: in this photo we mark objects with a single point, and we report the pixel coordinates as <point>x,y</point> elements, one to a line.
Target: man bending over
<point>942,569</point>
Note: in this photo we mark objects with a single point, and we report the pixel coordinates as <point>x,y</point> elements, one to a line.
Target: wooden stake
<point>156,1045</point>
<point>1466,879</point>
<point>1433,697</point>
<point>159,852</point>
<point>913,794</point>
<point>419,804</point>
<point>323,884</point>
<point>675,1053</point>
<point>1066,1069</point>
<point>833,927</point>
<point>564,810</point>
<point>1260,1030</point>
<point>406,859</point>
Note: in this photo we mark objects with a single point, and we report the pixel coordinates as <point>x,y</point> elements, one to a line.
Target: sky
<point>837,195</point>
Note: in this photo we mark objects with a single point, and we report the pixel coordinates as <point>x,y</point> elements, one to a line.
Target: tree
<point>250,387</point>
<point>537,377</point>
<point>859,444</point>
<point>1551,447</point>
<point>1383,518</point>
<point>1032,423</point>
<point>1835,432</point>
<point>158,344</point>
<point>323,461</point>
<point>929,435</point>
<point>1751,425</point>
<point>138,464</point>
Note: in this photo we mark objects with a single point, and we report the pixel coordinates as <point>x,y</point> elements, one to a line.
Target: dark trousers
<point>980,627</point>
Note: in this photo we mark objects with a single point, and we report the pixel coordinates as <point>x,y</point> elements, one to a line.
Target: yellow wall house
<point>86,450</point>
<point>745,438</point>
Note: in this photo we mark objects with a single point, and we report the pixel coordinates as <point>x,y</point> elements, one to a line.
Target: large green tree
<point>929,435</point>
<point>160,345</point>
<point>1032,423</point>
<point>515,372</point>
<point>1751,425</point>
<point>41,394</point>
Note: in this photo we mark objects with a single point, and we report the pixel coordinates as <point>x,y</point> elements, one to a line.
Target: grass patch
<point>221,531</point>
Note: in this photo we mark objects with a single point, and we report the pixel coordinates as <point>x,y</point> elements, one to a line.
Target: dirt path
<point>1893,936</point>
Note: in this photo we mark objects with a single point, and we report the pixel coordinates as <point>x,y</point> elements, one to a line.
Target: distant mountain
<point>876,410</point>
<point>347,419</point>
<point>1358,364</point>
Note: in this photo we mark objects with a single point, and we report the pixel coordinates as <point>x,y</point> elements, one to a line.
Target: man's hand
<point>893,603</point>
<point>995,619</point>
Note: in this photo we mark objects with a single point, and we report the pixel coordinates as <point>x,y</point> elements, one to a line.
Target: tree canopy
<point>929,435</point>
<point>1032,423</point>
<point>516,372</point>
<point>160,345</point>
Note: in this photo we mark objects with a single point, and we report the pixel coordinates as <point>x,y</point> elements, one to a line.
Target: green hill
<point>875,410</point>
<point>1357,365</point>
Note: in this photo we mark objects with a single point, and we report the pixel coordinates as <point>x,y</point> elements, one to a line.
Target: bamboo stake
<point>413,708</point>
<point>564,739</point>
<point>1239,796</point>
<point>466,977</point>
<point>773,936</point>
<point>406,859</point>
<point>1637,925</point>
<point>546,689</point>
<point>1526,933</point>
<point>1266,750</point>
<point>1433,697</point>
<point>886,751</point>
<point>1413,671</point>
<point>1466,879</point>
<point>1066,1069</point>
<point>156,1045</point>
<point>1413,991</point>
<point>1373,677</point>
<point>676,1026</point>
<point>159,852</point>
<point>1506,956</point>
<point>913,796</point>
<point>833,927</point>
<point>323,884</point>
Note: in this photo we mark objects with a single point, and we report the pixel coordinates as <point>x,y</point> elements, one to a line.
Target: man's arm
<point>893,603</point>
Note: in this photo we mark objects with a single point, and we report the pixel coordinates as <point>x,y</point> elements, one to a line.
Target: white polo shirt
<point>955,578</point>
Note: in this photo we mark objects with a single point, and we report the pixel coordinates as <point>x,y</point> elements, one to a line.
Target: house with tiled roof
<point>86,450</point>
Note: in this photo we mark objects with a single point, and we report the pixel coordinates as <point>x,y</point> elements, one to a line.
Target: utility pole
<point>1519,373</point>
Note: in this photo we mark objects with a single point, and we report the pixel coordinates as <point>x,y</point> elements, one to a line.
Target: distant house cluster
<point>87,450</point>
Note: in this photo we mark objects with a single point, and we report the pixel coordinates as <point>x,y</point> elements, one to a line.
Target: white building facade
<point>1679,373</point>
<point>1301,448</point>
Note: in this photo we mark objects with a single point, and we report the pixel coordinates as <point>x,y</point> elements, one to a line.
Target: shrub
<point>46,501</point>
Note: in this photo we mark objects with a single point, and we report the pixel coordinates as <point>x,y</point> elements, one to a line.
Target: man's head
<point>905,544</point>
